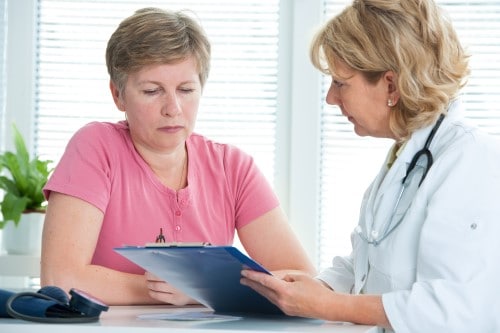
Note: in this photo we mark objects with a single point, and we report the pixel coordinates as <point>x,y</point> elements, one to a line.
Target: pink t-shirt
<point>225,191</point>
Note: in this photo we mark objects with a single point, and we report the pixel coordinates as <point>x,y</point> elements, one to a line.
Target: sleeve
<point>456,288</point>
<point>253,194</point>
<point>84,169</point>
<point>340,276</point>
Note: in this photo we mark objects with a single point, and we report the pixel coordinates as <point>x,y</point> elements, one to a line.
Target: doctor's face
<point>161,104</point>
<point>363,103</point>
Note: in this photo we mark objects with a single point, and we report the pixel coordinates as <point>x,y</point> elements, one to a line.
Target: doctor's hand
<point>165,292</point>
<point>296,294</point>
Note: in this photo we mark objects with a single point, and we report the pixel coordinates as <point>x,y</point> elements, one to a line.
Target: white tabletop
<point>125,319</point>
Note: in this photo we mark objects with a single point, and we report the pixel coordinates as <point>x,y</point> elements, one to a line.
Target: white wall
<point>20,69</point>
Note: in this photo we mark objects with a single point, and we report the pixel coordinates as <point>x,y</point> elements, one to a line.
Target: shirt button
<point>177,228</point>
<point>177,213</point>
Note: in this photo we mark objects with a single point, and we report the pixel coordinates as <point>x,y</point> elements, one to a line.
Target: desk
<point>123,319</point>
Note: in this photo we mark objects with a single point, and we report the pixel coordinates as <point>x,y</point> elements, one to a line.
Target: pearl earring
<point>390,103</point>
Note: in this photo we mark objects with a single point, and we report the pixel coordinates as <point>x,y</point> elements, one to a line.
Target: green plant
<point>23,189</point>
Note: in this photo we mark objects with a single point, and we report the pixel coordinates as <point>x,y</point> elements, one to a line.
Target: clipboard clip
<point>178,244</point>
<point>160,238</point>
<point>160,241</point>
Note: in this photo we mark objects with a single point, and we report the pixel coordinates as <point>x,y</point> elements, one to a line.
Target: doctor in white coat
<point>426,253</point>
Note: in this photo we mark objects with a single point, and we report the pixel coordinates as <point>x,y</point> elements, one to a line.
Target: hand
<point>296,294</point>
<point>165,292</point>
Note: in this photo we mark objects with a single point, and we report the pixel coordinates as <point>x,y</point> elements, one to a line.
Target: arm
<point>70,235</point>
<point>304,296</point>
<point>270,240</point>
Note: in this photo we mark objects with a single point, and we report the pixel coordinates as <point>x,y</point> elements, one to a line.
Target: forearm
<point>300,263</point>
<point>271,241</point>
<point>110,286</point>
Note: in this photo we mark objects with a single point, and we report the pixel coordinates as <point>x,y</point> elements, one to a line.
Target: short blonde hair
<point>154,36</point>
<point>414,39</point>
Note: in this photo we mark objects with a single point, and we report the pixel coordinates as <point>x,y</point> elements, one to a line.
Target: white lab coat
<point>439,270</point>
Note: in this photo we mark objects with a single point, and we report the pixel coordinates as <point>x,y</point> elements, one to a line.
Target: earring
<point>390,103</point>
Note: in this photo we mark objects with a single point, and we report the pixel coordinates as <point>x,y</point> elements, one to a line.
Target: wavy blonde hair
<point>414,39</point>
<point>153,36</point>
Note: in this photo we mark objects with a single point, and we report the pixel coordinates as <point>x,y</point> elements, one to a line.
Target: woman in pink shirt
<point>150,176</point>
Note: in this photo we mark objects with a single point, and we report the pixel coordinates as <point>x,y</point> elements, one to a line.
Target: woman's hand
<point>165,292</point>
<point>304,296</point>
<point>292,292</point>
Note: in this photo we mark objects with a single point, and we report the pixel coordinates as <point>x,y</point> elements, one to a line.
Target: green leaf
<point>8,185</point>
<point>13,206</point>
<point>24,181</point>
<point>21,150</point>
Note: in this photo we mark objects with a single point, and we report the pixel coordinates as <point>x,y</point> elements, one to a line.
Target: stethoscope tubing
<point>425,151</point>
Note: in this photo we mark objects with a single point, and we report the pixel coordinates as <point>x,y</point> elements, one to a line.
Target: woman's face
<point>363,103</point>
<point>161,104</point>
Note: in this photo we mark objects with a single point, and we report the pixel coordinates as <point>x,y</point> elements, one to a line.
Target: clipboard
<point>209,274</point>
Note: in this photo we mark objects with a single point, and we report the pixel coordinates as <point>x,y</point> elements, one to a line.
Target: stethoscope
<point>375,238</point>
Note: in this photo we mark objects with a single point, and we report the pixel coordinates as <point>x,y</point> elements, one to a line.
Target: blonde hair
<point>153,36</point>
<point>414,39</point>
